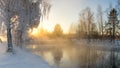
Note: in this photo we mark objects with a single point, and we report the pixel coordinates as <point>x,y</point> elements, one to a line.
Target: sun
<point>34,31</point>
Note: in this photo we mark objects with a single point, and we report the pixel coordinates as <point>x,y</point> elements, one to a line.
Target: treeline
<point>104,24</point>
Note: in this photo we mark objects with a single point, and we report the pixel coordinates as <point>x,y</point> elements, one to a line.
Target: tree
<point>89,18</point>
<point>30,17</point>
<point>118,8</point>
<point>100,19</point>
<point>57,31</point>
<point>82,25</point>
<point>112,26</point>
<point>6,12</point>
<point>72,29</point>
<point>24,14</point>
<point>85,25</point>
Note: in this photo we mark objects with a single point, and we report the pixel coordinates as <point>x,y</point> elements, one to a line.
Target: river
<point>66,54</point>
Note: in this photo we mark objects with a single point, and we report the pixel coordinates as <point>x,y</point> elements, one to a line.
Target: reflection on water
<point>67,56</point>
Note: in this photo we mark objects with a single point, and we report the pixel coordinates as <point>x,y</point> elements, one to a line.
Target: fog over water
<point>72,54</point>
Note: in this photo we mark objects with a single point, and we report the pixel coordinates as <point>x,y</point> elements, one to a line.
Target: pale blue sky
<point>66,12</point>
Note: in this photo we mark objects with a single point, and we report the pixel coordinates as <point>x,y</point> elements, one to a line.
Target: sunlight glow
<point>34,31</point>
<point>3,38</point>
<point>34,47</point>
<point>38,32</point>
<point>42,28</point>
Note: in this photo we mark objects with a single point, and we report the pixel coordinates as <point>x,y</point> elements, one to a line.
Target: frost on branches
<point>19,16</point>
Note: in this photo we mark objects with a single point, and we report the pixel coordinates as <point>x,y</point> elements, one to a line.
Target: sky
<point>65,12</point>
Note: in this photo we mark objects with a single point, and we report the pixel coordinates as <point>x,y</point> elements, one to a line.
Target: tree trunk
<point>9,39</point>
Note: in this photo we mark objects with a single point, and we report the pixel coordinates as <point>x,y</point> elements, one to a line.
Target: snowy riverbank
<point>21,59</point>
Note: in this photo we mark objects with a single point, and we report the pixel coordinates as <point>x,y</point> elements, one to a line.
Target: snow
<point>20,59</point>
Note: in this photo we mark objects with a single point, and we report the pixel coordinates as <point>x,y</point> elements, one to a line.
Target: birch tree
<point>22,14</point>
<point>29,17</point>
<point>100,19</point>
<point>6,13</point>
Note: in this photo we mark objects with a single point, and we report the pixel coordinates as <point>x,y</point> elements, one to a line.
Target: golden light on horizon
<point>46,26</point>
<point>38,32</point>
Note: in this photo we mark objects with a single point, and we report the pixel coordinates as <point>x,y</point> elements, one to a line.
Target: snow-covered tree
<point>20,15</point>
<point>29,17</point>
<point>6,12</point>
